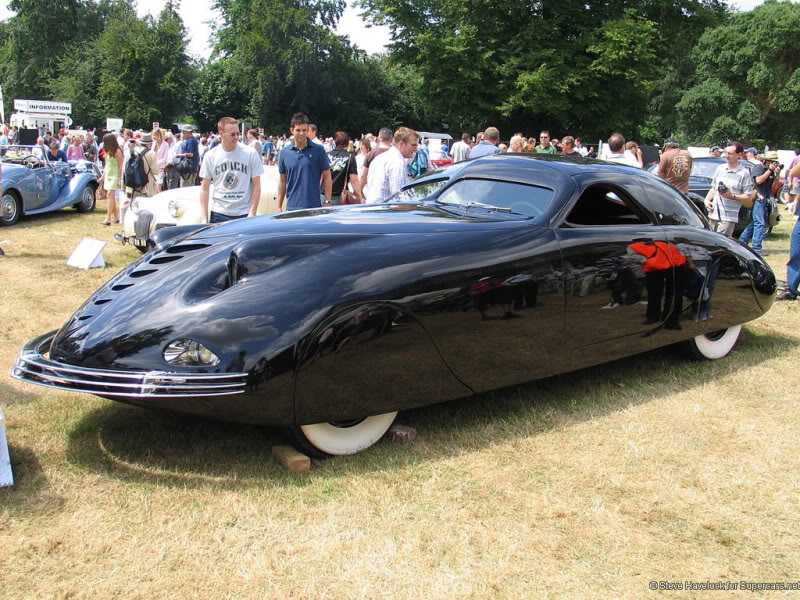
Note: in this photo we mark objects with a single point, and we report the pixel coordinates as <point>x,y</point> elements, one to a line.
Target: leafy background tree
<point>650,69</point>
<point>747,85</point>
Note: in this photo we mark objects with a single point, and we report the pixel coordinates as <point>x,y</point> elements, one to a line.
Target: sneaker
<point>785,296</point>
<point>758,251</point>
<point>611,305</point>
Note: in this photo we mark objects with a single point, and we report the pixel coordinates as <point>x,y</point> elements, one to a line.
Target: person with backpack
<point>343,172</point>
<point>141,170</point>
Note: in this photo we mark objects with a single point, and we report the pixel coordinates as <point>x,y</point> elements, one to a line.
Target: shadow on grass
<point>13,395</point>
<point>144,445</point>
<point>30,495</point>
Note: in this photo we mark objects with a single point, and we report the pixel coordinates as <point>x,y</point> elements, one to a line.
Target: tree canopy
<point>747,85</point>
<point>650,69</point>
<point>586,66</point>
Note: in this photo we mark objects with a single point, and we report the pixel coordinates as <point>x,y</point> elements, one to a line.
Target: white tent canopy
<point>435,136</point>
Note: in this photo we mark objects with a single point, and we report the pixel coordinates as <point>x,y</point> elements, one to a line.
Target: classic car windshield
<point>518,198</point>
<point>418,192</point>
<point>17,154</point>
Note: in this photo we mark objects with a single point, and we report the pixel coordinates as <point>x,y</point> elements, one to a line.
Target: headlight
<point>135,207</point>
<point>175,209</point>
<point>187,352</point>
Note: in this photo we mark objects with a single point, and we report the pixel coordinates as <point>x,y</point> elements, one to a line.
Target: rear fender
<point>71,193</point>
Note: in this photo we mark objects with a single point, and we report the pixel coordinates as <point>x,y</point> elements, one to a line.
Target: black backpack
<point>135,175</point>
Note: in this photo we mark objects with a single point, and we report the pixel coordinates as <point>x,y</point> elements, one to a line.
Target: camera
<point>722,188</point>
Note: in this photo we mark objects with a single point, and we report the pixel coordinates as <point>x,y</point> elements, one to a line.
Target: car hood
<point>275,276</point>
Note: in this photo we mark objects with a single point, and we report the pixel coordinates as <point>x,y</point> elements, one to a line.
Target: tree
<point>747,83</point>
<point>144,70</point>
<point>578,66</point>
<point>38,35</point>
<point>278,51</point>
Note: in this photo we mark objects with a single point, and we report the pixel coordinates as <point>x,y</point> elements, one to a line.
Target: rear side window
<point>670,206</point>
<point>520,199</point>
<point>606,205</point>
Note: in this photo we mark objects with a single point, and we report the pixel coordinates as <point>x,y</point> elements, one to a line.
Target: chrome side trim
<point>32,367</point>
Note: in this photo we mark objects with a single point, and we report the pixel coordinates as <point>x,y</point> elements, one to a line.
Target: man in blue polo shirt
<point>300,166</point>
<point>488,145</point>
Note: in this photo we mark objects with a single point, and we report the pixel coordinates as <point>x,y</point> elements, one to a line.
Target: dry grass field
<point>586,485</point>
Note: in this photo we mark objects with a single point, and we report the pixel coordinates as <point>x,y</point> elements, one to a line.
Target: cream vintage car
<point>144,216</point>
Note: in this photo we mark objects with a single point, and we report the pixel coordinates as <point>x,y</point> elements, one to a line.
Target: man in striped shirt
<point>737,188</point>
<point>388,172</point>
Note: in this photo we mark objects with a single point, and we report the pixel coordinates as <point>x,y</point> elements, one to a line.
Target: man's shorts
<point>795,186</point>
<point>724,227</point>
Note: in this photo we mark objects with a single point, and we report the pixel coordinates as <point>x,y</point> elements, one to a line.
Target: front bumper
<point>33,367</point>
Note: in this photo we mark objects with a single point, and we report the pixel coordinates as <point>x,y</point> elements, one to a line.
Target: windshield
<point>419,192</point>
<point>704,168</point>
<point>506,196</point>
<point>17,154</point>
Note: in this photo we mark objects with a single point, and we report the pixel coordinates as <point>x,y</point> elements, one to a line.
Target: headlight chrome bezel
<point>185,352</point>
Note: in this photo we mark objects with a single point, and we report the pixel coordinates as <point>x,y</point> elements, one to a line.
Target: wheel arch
<point>366,359</point>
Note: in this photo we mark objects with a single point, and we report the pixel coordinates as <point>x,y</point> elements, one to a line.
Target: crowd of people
<point>315,172</point>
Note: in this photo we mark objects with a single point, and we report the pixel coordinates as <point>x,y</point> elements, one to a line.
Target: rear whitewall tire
<point>328,439</point>
<point>715,345</point>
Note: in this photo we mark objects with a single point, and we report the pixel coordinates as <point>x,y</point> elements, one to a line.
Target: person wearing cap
<point>142,148</point>
<point>723,206</point>
<point>715,151</point>
<point>751,155</point>
<point>764,174</point>
<point>675,165</point>
<point>189,148</point>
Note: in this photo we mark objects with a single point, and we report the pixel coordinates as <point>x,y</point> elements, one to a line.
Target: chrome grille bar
<point>33,367</point>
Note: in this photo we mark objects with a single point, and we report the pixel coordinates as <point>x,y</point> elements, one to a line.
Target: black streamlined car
<point>483,274</point>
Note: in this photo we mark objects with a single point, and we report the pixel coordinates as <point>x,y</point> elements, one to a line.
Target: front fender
<point>369,359</point>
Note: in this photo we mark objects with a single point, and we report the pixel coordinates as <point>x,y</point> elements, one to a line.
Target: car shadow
<point>146,445</point>
<point>14,395</point>
<point>31,495</point>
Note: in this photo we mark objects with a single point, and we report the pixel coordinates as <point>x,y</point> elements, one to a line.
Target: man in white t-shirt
<point>236,171</point>
<point>460,150</point>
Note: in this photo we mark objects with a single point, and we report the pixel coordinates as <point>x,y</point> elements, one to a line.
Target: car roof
<point>523,167</point>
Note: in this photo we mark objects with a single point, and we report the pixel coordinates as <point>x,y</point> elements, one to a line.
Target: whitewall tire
<point>715,345</point>
<point>338,439</point>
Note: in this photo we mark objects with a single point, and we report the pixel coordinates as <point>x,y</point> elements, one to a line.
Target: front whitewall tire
<point>336,440</point>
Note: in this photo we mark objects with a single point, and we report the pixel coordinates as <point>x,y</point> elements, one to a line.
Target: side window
<point>670,207</point>
<point>520,199</point>
<point>606,205</point>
